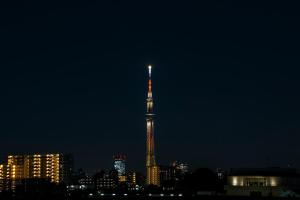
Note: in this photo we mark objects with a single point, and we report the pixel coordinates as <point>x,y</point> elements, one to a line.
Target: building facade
<point>106,180</point>
<point>263,182</point>
<point>120,167</point>
<point>4,172</point>
<point>152,170</point>
<point>56,168</point>
<point>180,170</point>
<point>131,180</point>
<point>171,175</point>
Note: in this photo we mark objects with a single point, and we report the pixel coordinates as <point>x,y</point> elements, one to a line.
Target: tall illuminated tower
<point>151,167</point>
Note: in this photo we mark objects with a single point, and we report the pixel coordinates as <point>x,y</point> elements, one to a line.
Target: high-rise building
<point>151,167</point>
<point>56,168</point>
<point>120,166</point>
<point>3,175</point>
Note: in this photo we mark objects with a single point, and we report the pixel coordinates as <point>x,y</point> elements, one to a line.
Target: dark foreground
<point>155,197</point>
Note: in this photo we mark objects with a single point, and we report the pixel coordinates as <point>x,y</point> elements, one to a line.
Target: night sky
<point>73,78</point>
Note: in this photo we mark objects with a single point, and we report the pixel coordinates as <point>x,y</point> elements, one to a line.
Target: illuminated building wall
<point>135,180</point>
<point>131,178</point>
<point>120,166</point>
<point>54,167</point>
<point>152,170</point>
<point>3,175</point>
<point>262,181</point>
<point>258,181</point>
<point>14,171</point>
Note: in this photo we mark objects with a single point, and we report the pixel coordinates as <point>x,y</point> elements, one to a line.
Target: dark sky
<point>73,79</point>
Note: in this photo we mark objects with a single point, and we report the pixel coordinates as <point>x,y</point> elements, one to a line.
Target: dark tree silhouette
<point>202,179</point>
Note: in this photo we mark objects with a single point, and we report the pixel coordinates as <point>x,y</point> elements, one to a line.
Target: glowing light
<point>273,182</point>
<point>234,181</point>
<point>149,68</point>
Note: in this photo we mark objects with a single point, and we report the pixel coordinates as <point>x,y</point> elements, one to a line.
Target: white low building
<point>263,182</point>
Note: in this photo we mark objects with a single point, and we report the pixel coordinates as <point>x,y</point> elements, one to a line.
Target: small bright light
<point>180,195</point>
<point>273,182</point>
<point>125,194</point>
<point>114,194</point>
<point>90,194</point>
<point>171,195</point>
<point>162,195</point>
<point>102,194</point>
<point>150,195</point>
<point>149,68</point>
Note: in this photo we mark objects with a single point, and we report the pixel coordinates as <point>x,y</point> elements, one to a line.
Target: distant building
<point>171,175</point>
<point>131,180</point>
<point>80,181</point>
<point>56,168</point>
<point>104,180</point>
<point>120,167</point>
<point>180,169</point>
<point>220,174</point>
<point>77,175</point>
<point>135,180</point>
<point>4,172</point>
<point>86,182</point>
<point>263,182</point>
<point>167,175</point>
<point>35,187</point>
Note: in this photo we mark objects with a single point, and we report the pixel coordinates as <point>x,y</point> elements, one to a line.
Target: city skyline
<point>226,82</point>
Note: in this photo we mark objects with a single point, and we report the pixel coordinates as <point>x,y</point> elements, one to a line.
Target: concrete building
<point>56,168</point>
<point>263,182</point>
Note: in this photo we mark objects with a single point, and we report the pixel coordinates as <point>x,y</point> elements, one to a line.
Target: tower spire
<point>149,82</point>
<point>151,167</point>
<point>149,97</point>
<point>149,69</point>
